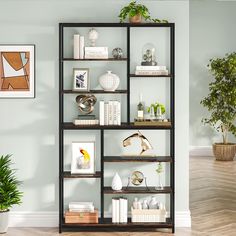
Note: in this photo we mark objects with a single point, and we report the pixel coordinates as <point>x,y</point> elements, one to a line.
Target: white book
<point>117,211</point>
<point>96,49</point>
<point>101,113</point>
<point>115,120</point>
<point>110,113</point>
<point>125,210</point>
<point>113,211</point>
<point>81,210</point>
<point>106,112</point>
<point>161,72</point>
<point>121,210</point>
<point>96,56</point>
<point>118,113</point>
<point>85,122</point>
<point>76,46</point>
<point>75,204</point>
<point>150,68</point>
<point>81,47</point>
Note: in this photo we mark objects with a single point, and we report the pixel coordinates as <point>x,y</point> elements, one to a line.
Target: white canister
<point>109,81</point>
<point>116,182</point>
<point>4,216</point>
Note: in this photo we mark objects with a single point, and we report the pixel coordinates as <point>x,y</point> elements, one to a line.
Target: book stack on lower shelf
<point>86,120</point>
<point>81,212</point>
<point>119,210</point>
<point>151,70</point>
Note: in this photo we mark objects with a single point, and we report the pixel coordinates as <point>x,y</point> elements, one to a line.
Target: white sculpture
<point>93,36</point>
<point>116,182</point>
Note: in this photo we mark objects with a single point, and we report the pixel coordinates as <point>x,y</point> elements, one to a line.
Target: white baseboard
<point>200,151</point>
<point>50,219</point>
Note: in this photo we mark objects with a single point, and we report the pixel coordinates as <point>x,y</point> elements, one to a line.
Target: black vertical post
<point>172,131</point>
<point>61,140</point>
<point>102,174</point>
<point>128,74</point>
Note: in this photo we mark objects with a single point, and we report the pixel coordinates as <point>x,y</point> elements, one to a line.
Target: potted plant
<point>158,109</point>
<point>9,193</point>
<point>221,103</point>
<point>135,12</point>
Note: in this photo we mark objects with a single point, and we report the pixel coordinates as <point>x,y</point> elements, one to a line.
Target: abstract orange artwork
<point>17,71</point>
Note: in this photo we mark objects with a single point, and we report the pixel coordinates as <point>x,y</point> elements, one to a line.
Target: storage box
<point>148,215</point>
<point>81,217</point>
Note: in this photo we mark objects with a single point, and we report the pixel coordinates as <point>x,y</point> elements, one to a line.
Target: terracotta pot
<point>224,152</point>
<point>4,216</point>
<point>136,19</point>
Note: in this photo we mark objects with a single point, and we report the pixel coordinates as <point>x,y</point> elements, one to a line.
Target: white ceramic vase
<point>109,81</point>
<point>4,217</point>
<point>116,182</point>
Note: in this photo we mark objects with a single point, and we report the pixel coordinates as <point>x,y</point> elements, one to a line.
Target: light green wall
<point>29,127</point>
<point>212,34</point>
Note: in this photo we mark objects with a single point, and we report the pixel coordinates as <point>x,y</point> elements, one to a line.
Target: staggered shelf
<point>105,224</point>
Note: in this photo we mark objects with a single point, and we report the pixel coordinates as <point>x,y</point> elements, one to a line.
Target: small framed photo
<point>83,158</point>
<point>81,79</point>
<point>17,71</point>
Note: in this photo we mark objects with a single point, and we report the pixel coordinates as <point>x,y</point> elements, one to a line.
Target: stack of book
<point>151,70</point>
<point>86,120</point>
<point>119,210</point>
<point>81,212</point>
<point>109,113</point>
<point>96,52</point>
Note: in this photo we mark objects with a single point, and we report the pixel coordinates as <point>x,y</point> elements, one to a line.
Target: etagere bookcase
<point>105,224</point>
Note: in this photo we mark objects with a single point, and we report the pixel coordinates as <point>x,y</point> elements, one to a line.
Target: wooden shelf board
<point>137,190</point>
<point>108,59</point>
<point>67,174</point>
<point>137,158</point>
<point>164,76</point>
<point>69,91</point>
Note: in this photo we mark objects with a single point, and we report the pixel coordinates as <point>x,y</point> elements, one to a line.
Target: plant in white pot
<point>221,103</point>
<point>9,193</point>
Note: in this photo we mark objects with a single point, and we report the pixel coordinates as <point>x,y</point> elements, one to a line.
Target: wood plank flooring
<point>212,204</point>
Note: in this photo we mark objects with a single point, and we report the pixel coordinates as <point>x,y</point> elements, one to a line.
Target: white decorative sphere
<point>116,183</point>
<point>109,81</point>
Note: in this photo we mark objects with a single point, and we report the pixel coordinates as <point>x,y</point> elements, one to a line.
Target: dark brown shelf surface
<point>93,91</point>
<point>137,190</point>
<point>133,75</point>
<point>137,158</point>
<point>67,174</point>
<point>71,126</point>
<point>108,59</point>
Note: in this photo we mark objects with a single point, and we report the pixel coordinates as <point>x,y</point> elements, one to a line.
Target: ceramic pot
<point>116,182</point>
<point>224,152</point>
<point>136,19</point>
<point>4,217</point>
<point>109,81</point>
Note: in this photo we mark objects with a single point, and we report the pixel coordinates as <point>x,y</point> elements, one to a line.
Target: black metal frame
<point>105,223</point>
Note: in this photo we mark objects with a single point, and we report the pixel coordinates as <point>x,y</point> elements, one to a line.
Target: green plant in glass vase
<point>135,12</point>
<point>158,109</point>
<point>159,171</point>
<point>221,103</point>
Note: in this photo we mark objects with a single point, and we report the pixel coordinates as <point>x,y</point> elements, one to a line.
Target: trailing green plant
<point>9,193</point>
<point>134,9</point>
<point>156,106</point>
<point>221,101</point>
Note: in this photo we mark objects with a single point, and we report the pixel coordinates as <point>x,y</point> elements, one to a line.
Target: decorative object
<point>17,72</point>
<point>117,53</point>
<point>153,204</point>
<point>137,178</point>
<point>145,144</point>
<point>159,110</point>
<point>83,158</point>
<point>140,108</point>
<point>116,182</point>
<point>76,46</point>
<point>145,204</point>
<point>149,55</point>
<point>9,193</point>
<point>159,171</point>
<point>135,12</point>
<point>93,36</point>
<point>135,203</point>
<point>81,79</point>
<point>220,102</point>
<point>153,122</point>
<point>86,103</point>
<point>109,81</point>
<point>81,217</point>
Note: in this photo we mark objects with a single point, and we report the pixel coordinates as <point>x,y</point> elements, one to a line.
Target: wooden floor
<point>212,204</point>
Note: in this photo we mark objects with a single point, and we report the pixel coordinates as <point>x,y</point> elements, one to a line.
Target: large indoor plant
<point>135,12</point>
<point>221,103</point>
<point>9,193</point>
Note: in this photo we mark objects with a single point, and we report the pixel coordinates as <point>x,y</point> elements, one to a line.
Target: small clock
<point>137,178</point>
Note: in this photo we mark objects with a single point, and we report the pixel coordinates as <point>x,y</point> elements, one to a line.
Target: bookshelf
<point>105,224</point>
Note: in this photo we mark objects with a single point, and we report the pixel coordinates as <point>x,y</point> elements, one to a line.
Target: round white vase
<point>4,216</point>
<point>116,182</point>
<point>109,81</point>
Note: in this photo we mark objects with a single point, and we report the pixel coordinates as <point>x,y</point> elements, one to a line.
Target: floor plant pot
<point>224,152</point>
<point>4,217</point>
<point>135,19</point>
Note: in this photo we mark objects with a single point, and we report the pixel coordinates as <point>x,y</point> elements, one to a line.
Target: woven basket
<point>224,152</point>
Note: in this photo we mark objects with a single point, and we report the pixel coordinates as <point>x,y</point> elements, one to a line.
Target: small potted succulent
<point>221,103</point>
<point>9,193</point>
<point>135,12</point>
<point>157,108</point>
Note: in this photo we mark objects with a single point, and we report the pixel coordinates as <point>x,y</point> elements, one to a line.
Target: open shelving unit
<point>105,224</point>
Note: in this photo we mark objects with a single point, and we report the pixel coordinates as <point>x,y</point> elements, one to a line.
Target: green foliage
<point>9,193</point>
<point>156,106</point>
<point>221,101</point>
<point>159,168</point>
<point>134,9</point>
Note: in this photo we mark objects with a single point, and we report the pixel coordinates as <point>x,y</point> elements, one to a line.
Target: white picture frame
<point>81,79</point>
<point>83,157</point>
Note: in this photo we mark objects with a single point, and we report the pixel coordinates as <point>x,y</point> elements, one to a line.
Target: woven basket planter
<point>224,152</point>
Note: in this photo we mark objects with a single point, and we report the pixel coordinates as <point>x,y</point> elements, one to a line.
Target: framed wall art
<point>83,158</point>
<point>81,79</point>
<point>17,71</point>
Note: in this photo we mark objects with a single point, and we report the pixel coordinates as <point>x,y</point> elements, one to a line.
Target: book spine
<point>86,122</point>
<point>97,49</point>
<point>76,46</point>
<point>101,112</point>
<point>150,68</point>
<point>96,56</point>
<point>118,113</point>
<point>125,218</point>
<point>106,112</point>
<point>113,211</point>
<point>161,72</point>
<point>117,210</point>
<point>110,113</point>
<point>115,121</point>
<point>81,47</point>
<point>121,213</point>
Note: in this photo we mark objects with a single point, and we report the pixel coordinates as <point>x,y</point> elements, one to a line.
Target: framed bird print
<point>83,158</point>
